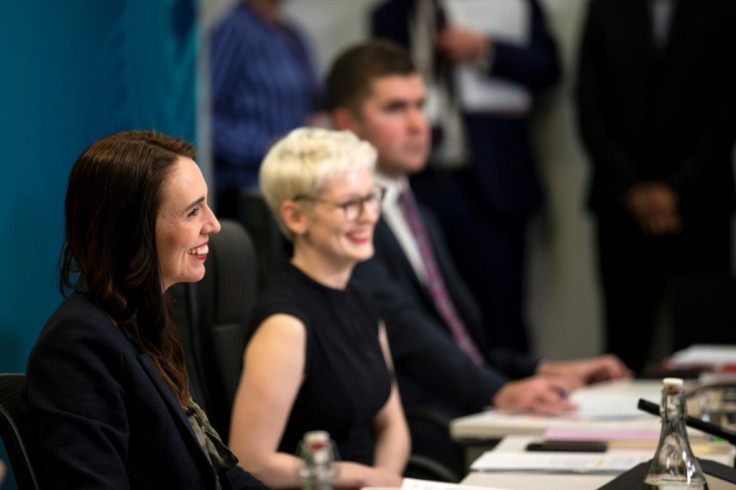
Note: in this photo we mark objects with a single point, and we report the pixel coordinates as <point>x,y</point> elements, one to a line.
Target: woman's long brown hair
<point>110,252</point>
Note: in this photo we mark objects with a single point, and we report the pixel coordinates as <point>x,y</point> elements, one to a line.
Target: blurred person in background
<point>263,85</point>
<point>655,91</point>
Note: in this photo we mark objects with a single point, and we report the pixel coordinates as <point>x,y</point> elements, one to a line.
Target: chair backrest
<point>11,431</point>
<point>231,288</point>
<point>272,248</point>
<point>210,315</point>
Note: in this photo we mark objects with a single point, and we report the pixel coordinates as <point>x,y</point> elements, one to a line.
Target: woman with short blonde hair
<point>318,356</point>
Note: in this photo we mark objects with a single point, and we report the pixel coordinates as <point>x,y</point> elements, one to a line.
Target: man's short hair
<point>354,70</point>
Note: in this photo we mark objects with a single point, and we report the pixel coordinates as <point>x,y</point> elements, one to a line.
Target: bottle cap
<point>317,438</point>
<point>673,382</point>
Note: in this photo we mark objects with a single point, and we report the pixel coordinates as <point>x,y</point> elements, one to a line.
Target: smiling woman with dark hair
<point>106,392</point>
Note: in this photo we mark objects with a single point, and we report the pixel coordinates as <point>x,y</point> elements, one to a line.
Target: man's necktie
<point>435,283</point>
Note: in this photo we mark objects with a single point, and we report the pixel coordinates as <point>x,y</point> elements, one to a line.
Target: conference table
<point>607,411</point>
<point>605,405</point>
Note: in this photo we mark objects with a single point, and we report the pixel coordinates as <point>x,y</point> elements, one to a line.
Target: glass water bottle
<point>318,461</point>
<point>674,465</point>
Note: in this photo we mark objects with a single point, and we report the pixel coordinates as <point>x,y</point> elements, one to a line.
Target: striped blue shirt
<point>263,86</point>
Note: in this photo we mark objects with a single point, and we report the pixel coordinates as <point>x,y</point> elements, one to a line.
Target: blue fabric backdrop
<point>70,72</point>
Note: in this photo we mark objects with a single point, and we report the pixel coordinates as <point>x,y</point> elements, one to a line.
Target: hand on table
<point>582,372</point>
<point>542,394</point>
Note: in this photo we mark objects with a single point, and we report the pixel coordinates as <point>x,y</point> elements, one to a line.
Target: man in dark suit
<point>656,111</point>
<point>485,193</point>
<point>436,332</point>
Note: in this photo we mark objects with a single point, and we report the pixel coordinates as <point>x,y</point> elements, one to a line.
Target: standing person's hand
<point>462,45</point>
<point>653,205</point>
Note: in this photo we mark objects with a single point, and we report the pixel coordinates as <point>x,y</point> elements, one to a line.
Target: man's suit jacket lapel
<point>393,255</point>
<point>388,246</point>
<point>637,16</point>
<point>391,20</point>
<point>683,19</point>
<point>642,28</point>
<point>460,295</point>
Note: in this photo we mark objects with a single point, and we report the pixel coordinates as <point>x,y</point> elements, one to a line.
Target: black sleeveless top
<point>346,378</point>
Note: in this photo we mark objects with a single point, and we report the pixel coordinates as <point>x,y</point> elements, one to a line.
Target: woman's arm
<point>392,434</point>
<point>273,372</point>
<point>273,369</point>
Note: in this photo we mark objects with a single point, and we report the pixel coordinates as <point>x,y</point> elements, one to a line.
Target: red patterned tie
<point>435,283</point>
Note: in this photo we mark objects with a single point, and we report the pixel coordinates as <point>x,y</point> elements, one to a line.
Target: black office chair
<point>429,465</point>
<point>10,431</point>
<point>272,248</point>
<point>210,317</point>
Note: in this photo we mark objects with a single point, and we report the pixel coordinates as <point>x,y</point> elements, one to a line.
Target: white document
<point>505,20</point>
<point>560,462</point>
<point>600,406</point>
<point>703,354</point>
<point>413,484</point>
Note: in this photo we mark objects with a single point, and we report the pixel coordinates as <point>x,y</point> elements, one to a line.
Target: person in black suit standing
<point>481,181</point>
<point>435,328</point>
<point>655,93</point>
<point>106,396</point>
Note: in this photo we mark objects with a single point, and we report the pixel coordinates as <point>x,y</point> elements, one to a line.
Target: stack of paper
<point>556,462</point>
<point>606,405</point>
<point>705,355</point>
